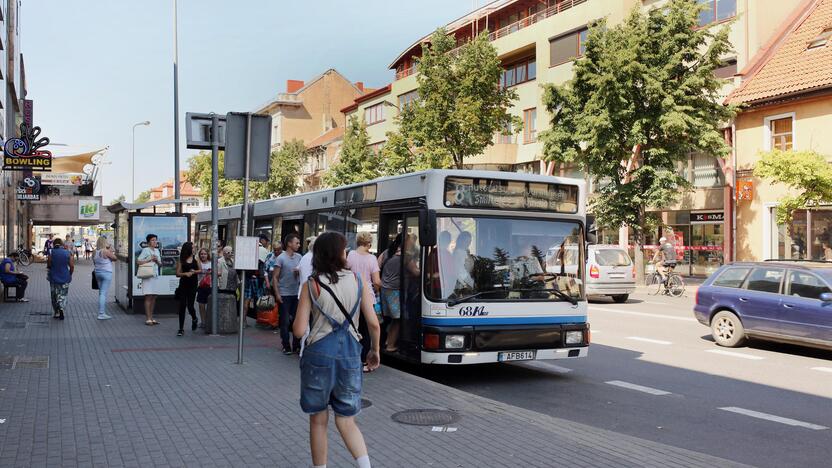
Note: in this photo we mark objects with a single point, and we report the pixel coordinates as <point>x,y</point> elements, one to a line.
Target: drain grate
<point>31,362</point>
<point>426,417</point>
<point>39,313</point>
<point>12,325</point>
<point>365,403</point>
<point>6,362</point>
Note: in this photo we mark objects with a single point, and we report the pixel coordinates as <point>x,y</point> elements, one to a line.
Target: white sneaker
<point>104,317</point>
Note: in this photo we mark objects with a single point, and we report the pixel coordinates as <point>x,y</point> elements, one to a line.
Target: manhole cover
<point>365,403</point>
<point>10,325</point>
<point>426,417</point>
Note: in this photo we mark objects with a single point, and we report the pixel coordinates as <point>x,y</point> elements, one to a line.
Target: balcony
<point>536,18</point>
<point>406,72</point>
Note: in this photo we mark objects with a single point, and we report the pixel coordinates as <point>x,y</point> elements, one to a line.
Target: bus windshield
<point>493,258</point>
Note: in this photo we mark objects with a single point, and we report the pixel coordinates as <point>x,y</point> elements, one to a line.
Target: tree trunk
<point>638,243</point>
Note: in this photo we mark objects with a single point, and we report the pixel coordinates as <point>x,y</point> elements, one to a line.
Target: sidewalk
<point>84,392</point>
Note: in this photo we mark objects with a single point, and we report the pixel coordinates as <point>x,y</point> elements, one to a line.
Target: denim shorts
<point>391,303</point>
<point>330,375</point>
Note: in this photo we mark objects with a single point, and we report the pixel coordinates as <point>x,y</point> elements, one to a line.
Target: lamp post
<point>176,193</point>
<point>133,172</point>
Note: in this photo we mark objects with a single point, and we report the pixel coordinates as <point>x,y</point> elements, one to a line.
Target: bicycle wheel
<point>676,286</point>
<point>654,284</point>
<point>25,259</point>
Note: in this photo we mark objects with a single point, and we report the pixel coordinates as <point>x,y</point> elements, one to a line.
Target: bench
<point>9,292</point>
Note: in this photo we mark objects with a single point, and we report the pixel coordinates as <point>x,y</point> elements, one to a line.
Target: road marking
<point>542,365</point>
<point>823,369</point>
<point>771,417</point>
<point>733,354</point>
<point>638,388</point>
<point>644,314</point>
<point>649,340</point>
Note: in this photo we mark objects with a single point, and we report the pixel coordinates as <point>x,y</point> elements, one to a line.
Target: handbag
<point>94,281</point>
<point>146,271</point>
<point>265,303</point>
<point>205,282</point>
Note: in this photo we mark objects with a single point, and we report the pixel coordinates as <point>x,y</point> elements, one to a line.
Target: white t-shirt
<point>305,269</point>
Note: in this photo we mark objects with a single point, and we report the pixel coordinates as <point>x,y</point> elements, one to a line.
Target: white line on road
<point>649,340</point>
<point>733,354</point>
<point>823,369</point>
<point>542,365</point>
<point>643,314</point>
<point>638,388</point>
<point>771,417</point>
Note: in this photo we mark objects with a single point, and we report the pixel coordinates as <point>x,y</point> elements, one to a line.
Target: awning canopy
<point>73,164</point>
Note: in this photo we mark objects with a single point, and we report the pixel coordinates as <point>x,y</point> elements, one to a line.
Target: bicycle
<point>673,285</point>
<point>23,257</point>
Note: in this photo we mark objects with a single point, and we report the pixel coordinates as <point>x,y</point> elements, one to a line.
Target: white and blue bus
<point>492,267</point>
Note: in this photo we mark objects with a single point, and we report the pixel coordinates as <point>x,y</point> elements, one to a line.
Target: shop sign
<point>745,190</point>
<point>715,217</point>
<point>52,178</point>
<point>89,209</point>
<point>28,189</point>
<point>24,153</point>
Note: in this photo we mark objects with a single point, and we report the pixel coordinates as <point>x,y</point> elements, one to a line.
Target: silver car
<point>609,272</point>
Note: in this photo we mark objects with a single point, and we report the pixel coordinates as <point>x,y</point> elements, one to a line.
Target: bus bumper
<point>473,357</point>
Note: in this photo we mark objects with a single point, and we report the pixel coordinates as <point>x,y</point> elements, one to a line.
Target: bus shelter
<point>133,222</point>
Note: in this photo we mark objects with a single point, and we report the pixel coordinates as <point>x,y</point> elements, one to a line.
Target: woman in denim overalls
<point>331,360</point>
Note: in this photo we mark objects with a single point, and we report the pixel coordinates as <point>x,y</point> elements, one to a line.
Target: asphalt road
<point>654,372</point>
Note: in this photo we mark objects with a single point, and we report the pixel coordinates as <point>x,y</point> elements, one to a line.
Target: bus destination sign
<point>462,192</point>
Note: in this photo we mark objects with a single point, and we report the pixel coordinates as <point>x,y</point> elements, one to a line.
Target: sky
<point>96,67</point>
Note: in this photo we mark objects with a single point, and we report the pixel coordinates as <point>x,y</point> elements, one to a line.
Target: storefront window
<point>821,238</point>
<point>706,248</point>
<point>790,242</point>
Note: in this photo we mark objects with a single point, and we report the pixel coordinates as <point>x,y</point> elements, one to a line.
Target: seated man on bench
<point>10,277</point>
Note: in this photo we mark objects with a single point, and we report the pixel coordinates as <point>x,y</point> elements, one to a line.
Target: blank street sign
<point>235,146</point>
<point>198,130</point>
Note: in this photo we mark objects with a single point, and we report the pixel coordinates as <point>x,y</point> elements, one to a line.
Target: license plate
<point>516,356</point>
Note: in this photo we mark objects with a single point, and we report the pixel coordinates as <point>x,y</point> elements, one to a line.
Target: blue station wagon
<point>789,302</point>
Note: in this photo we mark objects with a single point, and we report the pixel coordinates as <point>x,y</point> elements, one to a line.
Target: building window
<point>519,72</point>
<point>506,136</point>
<point>374,114</point>
<point>728,70</point>
<point>566,48</point>
<point>530,125</point>
<point>408,98</point>
<point>716,11</point>
<point>821,39</point>
<point>779,132</point>
<point>706,171</point>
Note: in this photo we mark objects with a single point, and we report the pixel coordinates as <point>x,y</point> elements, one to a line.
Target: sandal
<point>154,322</point>
<point>365,369</point>
<point>149,323</point>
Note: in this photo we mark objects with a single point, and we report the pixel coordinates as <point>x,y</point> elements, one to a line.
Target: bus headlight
<point>454,341</point>
<point>574,337</point>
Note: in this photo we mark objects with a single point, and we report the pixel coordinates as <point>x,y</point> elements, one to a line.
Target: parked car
<point>609,270</point>
<point>782,301</point>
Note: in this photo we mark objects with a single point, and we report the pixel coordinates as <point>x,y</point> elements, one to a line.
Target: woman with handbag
<point>203,289</point>
<point>187,270</point>
<point>103,274</point>
<point>149,261</point>
<point>331,360</point>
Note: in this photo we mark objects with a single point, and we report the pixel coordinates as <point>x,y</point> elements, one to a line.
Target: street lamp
<point>133,184</point>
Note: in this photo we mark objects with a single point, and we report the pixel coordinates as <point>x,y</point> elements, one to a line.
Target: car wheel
<point>727,329</point>
<point>620,298</point>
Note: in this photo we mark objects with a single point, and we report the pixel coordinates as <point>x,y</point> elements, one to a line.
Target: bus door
<point>411,291</point>
<point>292,224</point>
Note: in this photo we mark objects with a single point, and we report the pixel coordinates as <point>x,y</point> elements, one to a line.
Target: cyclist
<point>664,259</point>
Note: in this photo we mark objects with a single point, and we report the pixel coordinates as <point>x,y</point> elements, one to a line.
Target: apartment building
<point>194,201</point>
<point>537,42</point>
<point>786,93</point>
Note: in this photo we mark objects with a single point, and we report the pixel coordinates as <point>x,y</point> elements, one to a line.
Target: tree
<point>143,197</point>
<point>357,162</point>
<point>501,256</point>
<point>284,167</point>
<point>643,97</point>
<point>120,199</point>
<point>461,104</point>
<point>807,174</point>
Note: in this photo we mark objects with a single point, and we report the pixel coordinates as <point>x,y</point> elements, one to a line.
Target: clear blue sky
<point>96,67</point>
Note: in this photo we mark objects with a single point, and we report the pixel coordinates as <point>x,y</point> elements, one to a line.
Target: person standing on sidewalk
<point>61,265</point>
<point>365,264</point>
<point>332,354</point>
<point>152,285</point>
<point>287,273</point>
<point>305,265</point>
<point>203,292</point>
<point>187,270</point>
<point>103,261</point>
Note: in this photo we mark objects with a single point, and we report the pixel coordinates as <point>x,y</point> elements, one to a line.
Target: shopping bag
<point>268,317</point>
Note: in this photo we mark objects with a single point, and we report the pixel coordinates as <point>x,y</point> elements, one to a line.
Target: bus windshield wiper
<point>557,292</point>
<point>460,300</point>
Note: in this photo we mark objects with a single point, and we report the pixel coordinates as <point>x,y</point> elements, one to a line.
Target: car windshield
<point>612,257</point>
<point>505,259</point>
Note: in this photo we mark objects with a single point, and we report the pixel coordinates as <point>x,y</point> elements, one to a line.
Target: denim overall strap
<point>334,323</point>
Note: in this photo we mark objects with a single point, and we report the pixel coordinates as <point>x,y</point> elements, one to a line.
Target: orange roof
<point>328,137</point>
<point>789,67</point>
<point>366,97</point>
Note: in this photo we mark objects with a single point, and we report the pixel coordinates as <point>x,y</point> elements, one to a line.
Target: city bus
<point>492,263</point>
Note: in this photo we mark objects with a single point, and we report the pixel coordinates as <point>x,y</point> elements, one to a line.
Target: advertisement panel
<point>61,179</point>
<point>172,232</point>
<point>89,209</point>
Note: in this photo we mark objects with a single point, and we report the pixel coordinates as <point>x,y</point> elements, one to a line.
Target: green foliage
<point>806,173</point>
<point>643,98</point>
<point>501,256</point>
<point>357,162</point>
<point>142,197</point>
<point>120,199</point>
<point>285,165</point>
<point>460,107</point>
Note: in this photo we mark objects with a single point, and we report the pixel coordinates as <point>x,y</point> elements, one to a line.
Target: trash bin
<point>228,322</point>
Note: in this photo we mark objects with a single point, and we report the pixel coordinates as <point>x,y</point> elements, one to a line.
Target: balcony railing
<point>535,18</point>
<point>406,72</point>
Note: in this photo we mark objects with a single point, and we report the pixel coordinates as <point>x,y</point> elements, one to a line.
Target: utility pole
<point>176,190</point>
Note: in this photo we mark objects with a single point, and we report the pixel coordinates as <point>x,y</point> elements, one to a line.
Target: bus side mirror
<point>427,228</point>
<point>591,237</point>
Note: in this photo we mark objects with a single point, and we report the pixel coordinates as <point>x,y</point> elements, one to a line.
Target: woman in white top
<point>103,261</point>
<point>151,286</point>
<point>331,360</point>
<point>203,292</point>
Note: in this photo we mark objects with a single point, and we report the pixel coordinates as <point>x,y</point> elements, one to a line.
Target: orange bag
<point>268,317</point>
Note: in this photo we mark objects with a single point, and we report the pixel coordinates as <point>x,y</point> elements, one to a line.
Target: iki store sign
<point>24,153</point>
